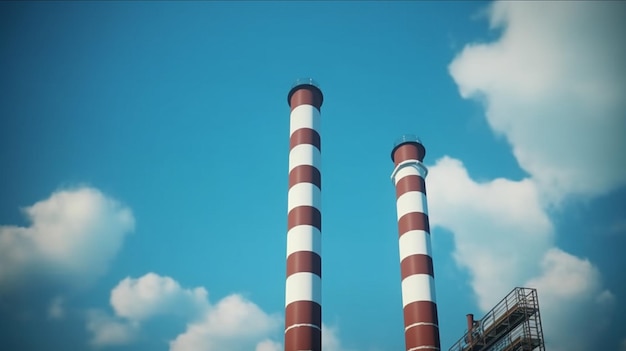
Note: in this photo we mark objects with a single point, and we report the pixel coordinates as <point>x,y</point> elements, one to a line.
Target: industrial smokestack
<point>303,291</point>
<point>421,326</point>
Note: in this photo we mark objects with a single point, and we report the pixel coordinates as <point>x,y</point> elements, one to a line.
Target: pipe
<point>470,327</point>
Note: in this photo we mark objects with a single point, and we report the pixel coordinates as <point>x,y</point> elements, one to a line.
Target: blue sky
<point>144,151</point>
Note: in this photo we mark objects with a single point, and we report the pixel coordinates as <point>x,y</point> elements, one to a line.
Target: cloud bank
<point>551,86</point>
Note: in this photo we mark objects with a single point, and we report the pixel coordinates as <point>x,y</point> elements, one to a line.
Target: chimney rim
<point>305,83</point>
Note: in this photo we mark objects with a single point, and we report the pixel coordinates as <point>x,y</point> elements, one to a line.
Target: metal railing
<point>305,81</point>
<point>406,138</point>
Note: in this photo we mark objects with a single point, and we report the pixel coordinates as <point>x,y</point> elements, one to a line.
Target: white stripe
<point>405,172</point>
<point>303,286</point>
<point>415,242</point>
<point>407,168</point>
<point>411,201</point>
<point>420,323</point>
<point>304,238</point>
<point>304,116</point>
<point>418,287</point>
<point>304,194</point>
<point>303,325</point>
<point>423,348</point>
<point>305,154</point>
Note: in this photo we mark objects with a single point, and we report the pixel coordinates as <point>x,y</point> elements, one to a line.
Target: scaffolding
<point>514,324</point>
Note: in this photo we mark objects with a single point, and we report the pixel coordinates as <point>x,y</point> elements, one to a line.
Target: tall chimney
<point>421,326</point>
<point>303,291</point>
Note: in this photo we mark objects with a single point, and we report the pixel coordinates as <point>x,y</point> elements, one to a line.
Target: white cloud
<point>108,331</point>
<point>137,300</point>
<point>552,85</point>
<point>151,294</point>
<point>500,229</point>
<point>568,281</point>
<point>330,339</point>
<point>232,324</point>
<point>72,238</point>
<point>268,345</point>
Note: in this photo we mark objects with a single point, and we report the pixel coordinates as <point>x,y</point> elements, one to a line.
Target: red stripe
<point>410,183</point>
<point>417,264</point>
<point>303,312</point>
<point>305,136</point>
<point>413,221</point>
<point>303,338</point>
<point>304,215</point>
<point>420,312</point>
<point>305,174</point>
<point>422,336</point>
<point>304,261</point>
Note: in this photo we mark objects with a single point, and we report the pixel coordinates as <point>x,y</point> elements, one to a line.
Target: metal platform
<point>514,324</point>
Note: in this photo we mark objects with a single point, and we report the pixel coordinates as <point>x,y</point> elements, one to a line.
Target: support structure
<point>303,291</point>
<point>514,324</point>
<point>421,326</point>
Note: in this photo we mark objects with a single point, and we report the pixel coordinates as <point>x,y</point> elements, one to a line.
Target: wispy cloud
<point>108,330</point>
<point>330,339</point>
<point>56,309</point>
<point>618,227</point>
<point>268,345</point>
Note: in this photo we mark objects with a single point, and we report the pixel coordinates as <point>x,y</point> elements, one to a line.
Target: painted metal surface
<point>421,325</point>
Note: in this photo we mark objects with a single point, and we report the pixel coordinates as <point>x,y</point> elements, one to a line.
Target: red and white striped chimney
<point>421,326</point>
<point>303,291</point>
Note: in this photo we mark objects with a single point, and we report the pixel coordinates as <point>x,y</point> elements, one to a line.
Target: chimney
<point>421,326</point>
<point>303,290</point>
